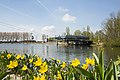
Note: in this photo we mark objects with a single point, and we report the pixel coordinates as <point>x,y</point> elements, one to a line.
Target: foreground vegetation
<point>33,67</point>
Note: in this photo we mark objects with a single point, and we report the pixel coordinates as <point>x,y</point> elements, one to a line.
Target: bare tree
<point>14,36</point>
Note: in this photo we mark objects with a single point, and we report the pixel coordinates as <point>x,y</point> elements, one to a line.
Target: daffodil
<point>23,56</point>
<point>42,77</point>
<point>75,62</point>
<point>63,65</point>
<point>2,56</point>
<point>30,60</point>
<point>38,62</point>
<point>36,78</point>
<point>59,77</point>
<point>12,64</point>
<point>18,56</point>
<point>39,78</point>
<point>15,63</point>
<point>85,66</point>
<point>43,69</point>
<point>53,58</point>
<point>44,63</point>
<point>58,60</point>
<point>90,61</point>
<point>24,68</point>
<point>9,56</point>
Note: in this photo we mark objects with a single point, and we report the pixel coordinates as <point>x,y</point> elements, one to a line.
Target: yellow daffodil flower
<point>12,64</point>
<point>15,63</point>
<point>9,56</point>
<point>30,60</point>
<point>58,60</point>
<point>42,77</point>
<point>2,56</point>
<point>63,65</point>
<point>24,68</point>
<point>59,77</point>
<point>44,63</point>
<point>39,78</point>
<point>18,56</point>
<point>90,61</point>
<point>75,62</point>
<point>38,62</point>
<point>36,78</point>
<point>43,69</point>
<point>53,58</point>
<point>23,56</point>
<point>85,66</point>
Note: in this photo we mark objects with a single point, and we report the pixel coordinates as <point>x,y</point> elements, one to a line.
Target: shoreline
<point>41,42</point>
<point>19,42</point>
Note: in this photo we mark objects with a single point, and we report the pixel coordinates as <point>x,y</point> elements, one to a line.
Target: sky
<point>51,17</point>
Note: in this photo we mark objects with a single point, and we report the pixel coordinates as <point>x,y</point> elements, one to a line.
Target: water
<point>60,52</point>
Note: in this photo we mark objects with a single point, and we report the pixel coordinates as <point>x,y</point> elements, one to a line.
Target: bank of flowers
<point>34,67</point>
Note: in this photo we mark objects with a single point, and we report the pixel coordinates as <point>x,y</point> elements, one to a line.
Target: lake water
<point>51,50</point>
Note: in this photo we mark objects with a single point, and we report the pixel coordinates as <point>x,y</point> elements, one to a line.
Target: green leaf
<point>85,73</point>
<point>101,62</point>
<point>108,72</point>
<point>115,71</point>
<point>2,75</point>
<point>109,75</point>
<point>96,58</point>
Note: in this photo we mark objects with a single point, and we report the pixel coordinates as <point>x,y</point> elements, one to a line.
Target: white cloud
<point>48,30</point>
<point>69,18</point>
<point>62,9</point>
<point>31,29</point>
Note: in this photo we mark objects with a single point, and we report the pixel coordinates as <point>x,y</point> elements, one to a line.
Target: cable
<point>16,27</point>
<point>16,11</point>
<point>46,8</point>
<point>11,26</point>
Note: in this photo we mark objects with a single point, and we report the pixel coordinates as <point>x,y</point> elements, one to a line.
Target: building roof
<point>72,37</point>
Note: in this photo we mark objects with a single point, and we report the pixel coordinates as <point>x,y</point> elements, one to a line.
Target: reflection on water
<point>61,52</point>
<point>71,52</point>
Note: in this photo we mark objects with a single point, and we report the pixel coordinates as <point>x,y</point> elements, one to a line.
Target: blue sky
<point>53,16</point>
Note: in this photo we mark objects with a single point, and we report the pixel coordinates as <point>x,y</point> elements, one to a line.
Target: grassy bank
<point>33,67</point>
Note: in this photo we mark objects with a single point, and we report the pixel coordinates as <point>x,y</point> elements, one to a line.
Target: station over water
<point>73,39</point>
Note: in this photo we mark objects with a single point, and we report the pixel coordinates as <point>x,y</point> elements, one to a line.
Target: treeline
<point>109,34</point>
<point>95,37</point>
<point>14,36</point>
<point>111,28</point>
